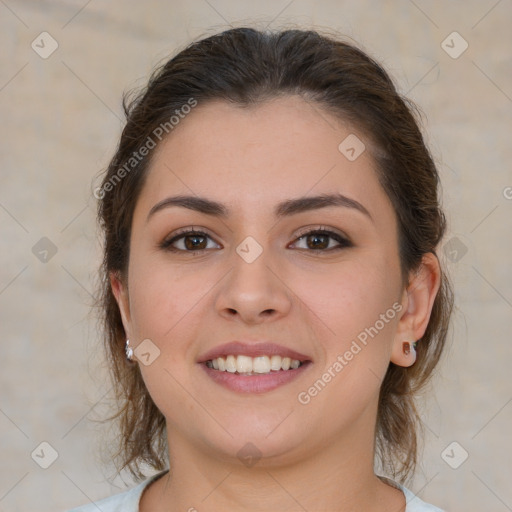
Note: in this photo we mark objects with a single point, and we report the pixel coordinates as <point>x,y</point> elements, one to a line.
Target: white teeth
<point>275,363</point>
<point>253,365</point>
<point>261,364</point>
<point>231,364</point>
<point>244,364</point>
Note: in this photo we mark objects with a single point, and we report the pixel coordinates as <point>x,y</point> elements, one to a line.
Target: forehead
<point>257,156</point>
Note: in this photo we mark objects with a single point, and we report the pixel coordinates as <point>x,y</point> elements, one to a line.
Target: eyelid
<point>182,233</point>
<point>312,229</point>
<point>189,229</point>
<point>342,241</point>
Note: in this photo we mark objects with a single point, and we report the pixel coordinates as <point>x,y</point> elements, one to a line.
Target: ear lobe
<point>417,302</point>
<point>404,353</point>
<point>121,295</point>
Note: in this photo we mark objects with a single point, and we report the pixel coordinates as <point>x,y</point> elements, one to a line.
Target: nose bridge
<point>252,289</point>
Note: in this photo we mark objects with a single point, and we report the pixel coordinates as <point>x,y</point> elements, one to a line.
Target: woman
<point>273,299</point>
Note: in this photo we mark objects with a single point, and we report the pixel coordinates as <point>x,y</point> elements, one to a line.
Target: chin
<point>263,439</point>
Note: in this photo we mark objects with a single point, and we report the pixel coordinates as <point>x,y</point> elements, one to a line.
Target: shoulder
<point>413,502</point>
<point>127,501</point>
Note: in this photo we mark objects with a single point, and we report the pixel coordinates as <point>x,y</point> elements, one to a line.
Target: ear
<point>417,301</point>
<point>120,292</point>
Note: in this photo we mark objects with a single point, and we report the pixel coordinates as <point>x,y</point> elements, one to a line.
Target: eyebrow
<point>283,209</point>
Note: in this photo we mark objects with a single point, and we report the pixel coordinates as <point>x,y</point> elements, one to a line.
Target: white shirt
<point>128,501</point>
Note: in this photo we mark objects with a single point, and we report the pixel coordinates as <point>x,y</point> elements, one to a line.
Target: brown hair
<point>245,66</point>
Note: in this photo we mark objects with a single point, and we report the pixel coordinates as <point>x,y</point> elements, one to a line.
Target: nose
<point>253,292</point>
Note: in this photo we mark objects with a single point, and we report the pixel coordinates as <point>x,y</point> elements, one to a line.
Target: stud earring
<point>407,346</point>
<point>129,351</point>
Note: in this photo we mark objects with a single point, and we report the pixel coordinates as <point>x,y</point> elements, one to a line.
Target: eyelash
<point>342,241</point>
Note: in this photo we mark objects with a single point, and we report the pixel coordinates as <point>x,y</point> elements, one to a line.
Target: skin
<point>317,456</point>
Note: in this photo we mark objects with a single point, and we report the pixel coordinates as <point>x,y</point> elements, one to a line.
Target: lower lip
<point>255,383</point>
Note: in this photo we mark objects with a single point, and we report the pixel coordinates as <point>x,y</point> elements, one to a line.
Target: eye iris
<point>324,241</point>
<point>194,244</point>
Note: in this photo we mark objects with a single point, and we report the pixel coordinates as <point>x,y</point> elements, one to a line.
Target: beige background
<point>60,120</point>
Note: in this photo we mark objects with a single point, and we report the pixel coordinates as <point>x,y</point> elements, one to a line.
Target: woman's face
<point>253,276</point>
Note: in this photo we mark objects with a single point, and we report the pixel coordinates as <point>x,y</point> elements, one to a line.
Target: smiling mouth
<point>260,365</point>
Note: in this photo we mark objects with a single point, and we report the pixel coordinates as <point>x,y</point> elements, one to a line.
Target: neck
<point>339,478</point>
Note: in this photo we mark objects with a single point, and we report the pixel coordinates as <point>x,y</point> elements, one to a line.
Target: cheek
<point>161,297</point>
<point>359,316</point>
<point>359,312</point>
<point>164,303</point>
<point>353,298</point>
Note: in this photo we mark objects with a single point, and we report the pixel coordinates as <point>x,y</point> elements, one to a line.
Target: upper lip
<point>253,349</point>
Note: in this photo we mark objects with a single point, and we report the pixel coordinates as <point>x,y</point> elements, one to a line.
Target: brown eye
<point>188,241</point>
<point>193,242</point>
<point>317,241</point>
<point>323,241</point>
